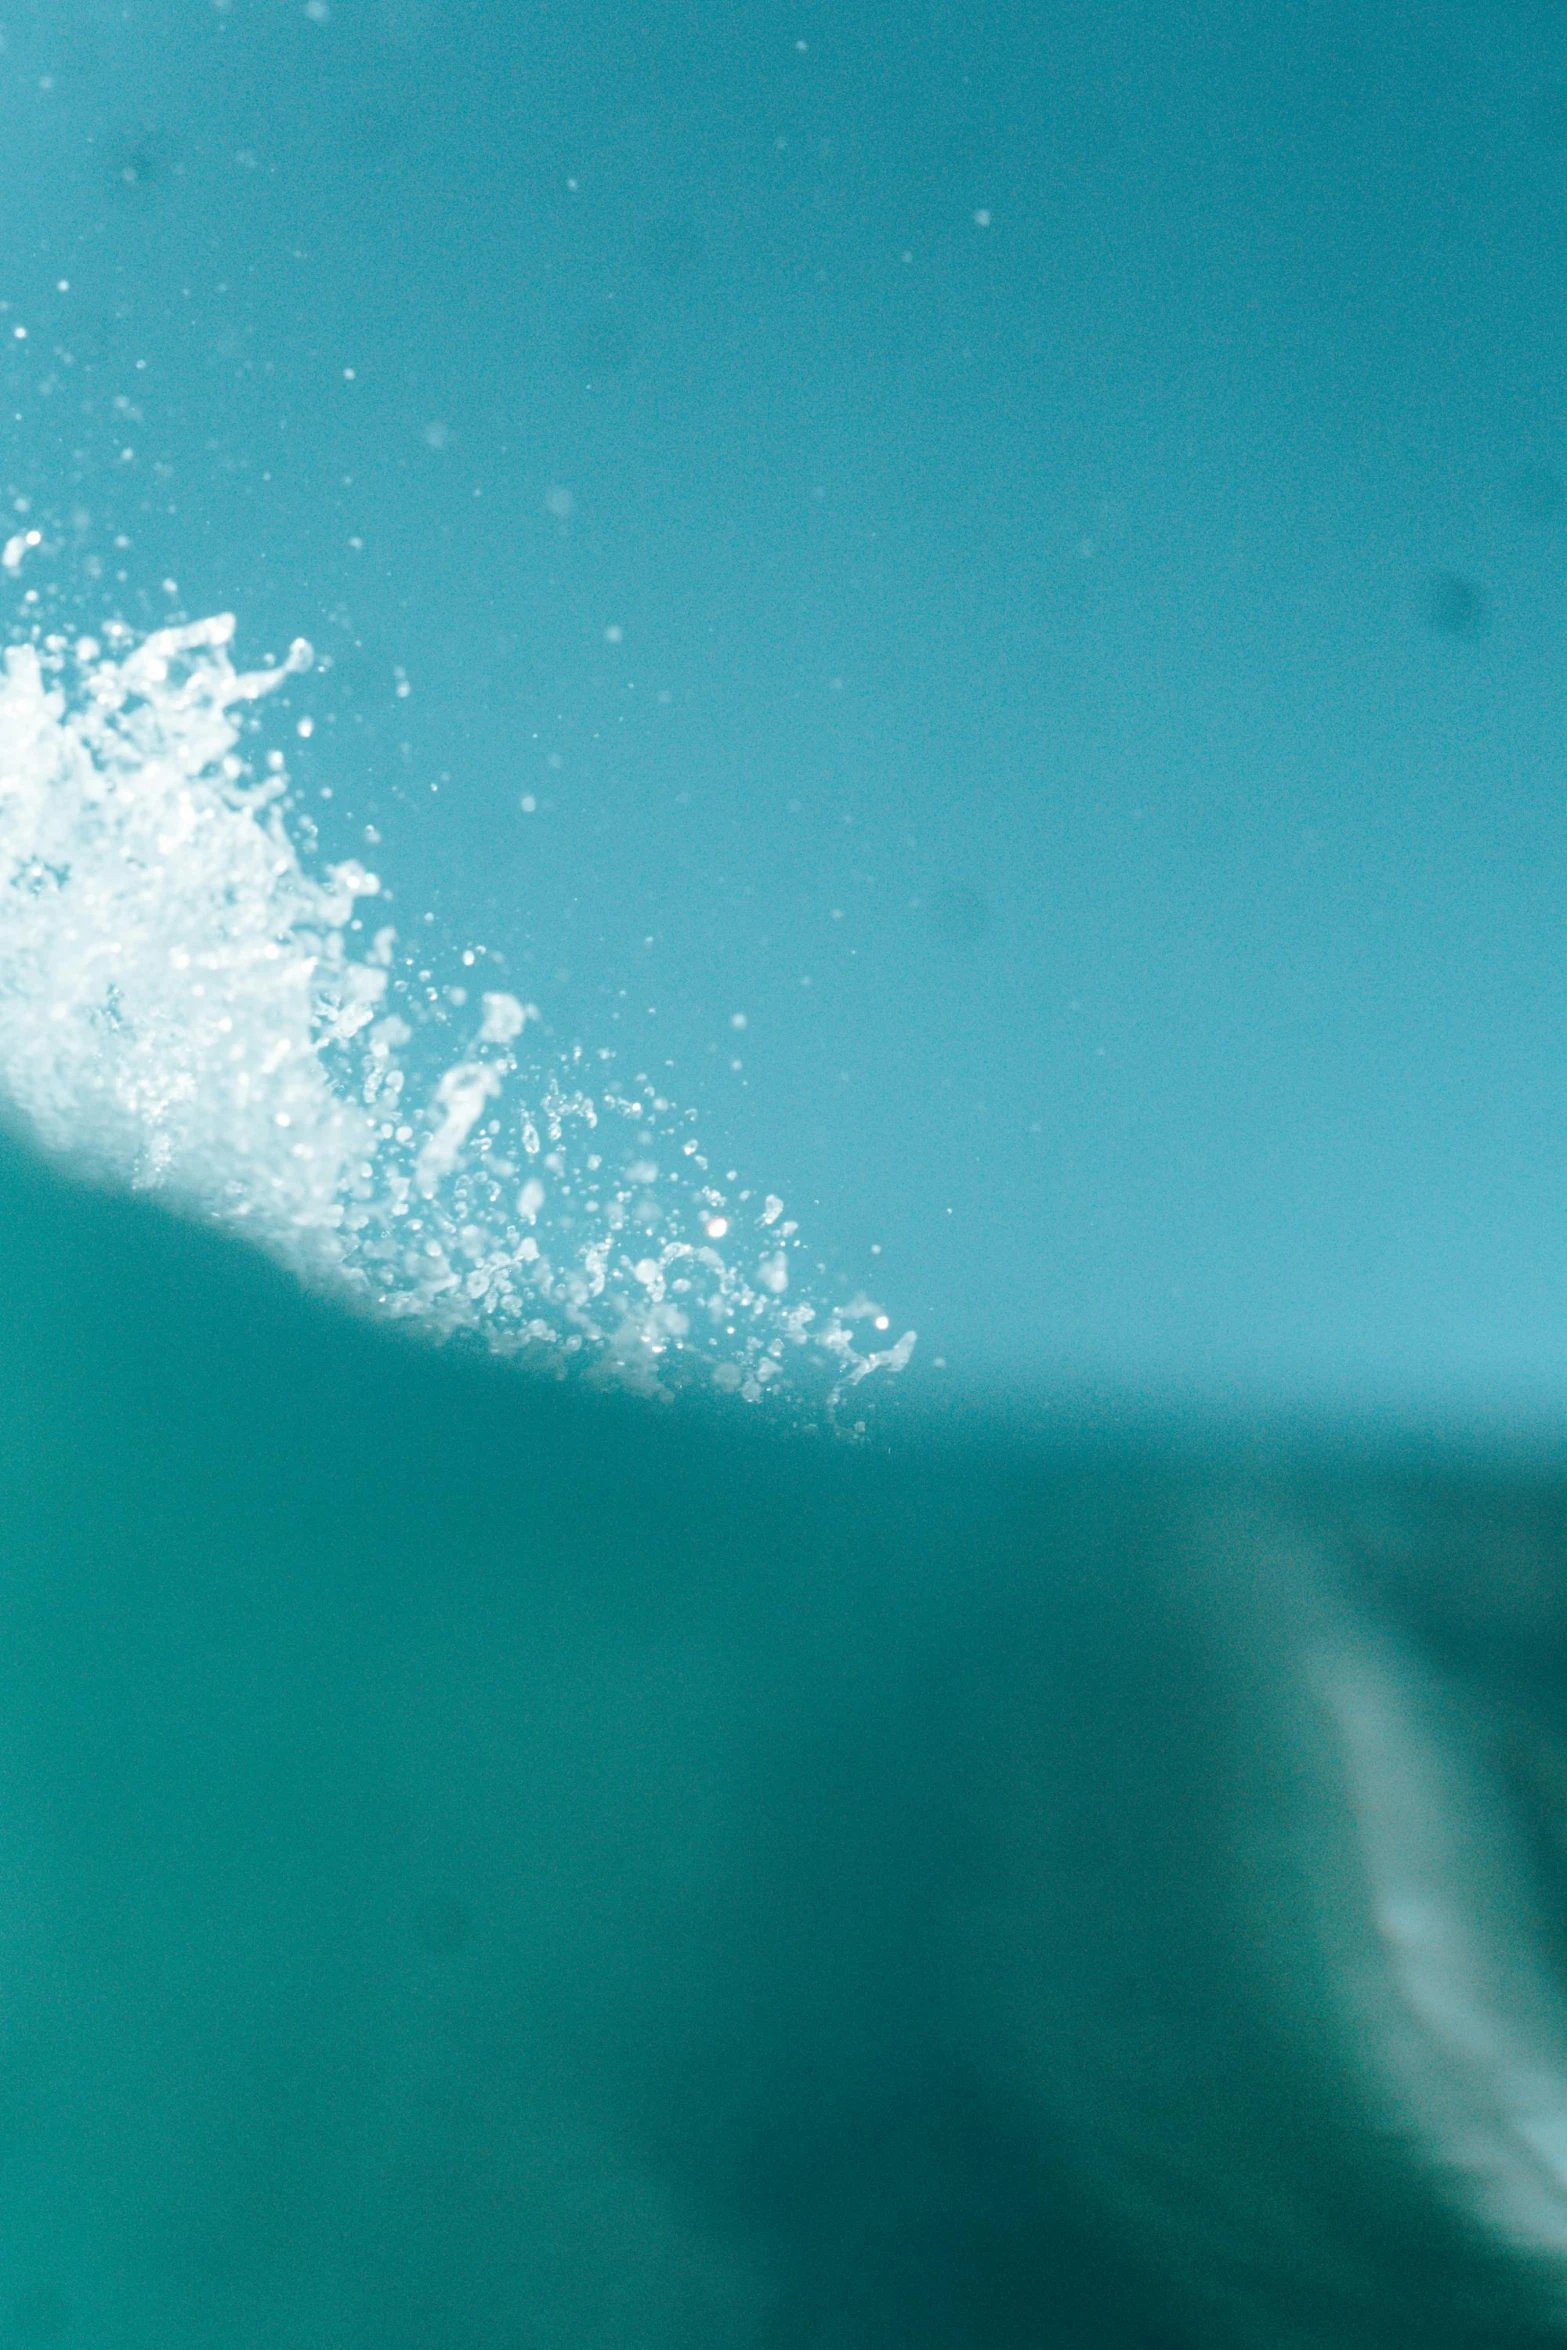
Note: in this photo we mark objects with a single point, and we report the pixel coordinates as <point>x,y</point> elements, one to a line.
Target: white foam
<point>185,1006</point>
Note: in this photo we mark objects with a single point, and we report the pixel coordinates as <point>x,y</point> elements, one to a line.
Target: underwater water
<point>491,1862</point>
<point>780,850</point>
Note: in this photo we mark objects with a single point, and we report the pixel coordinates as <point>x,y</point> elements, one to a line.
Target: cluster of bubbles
<point>187,1006</point>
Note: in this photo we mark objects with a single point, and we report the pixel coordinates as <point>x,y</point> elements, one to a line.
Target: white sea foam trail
<point>185,1004</point>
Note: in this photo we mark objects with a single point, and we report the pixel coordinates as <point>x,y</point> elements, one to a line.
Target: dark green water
<point>486,1866</point>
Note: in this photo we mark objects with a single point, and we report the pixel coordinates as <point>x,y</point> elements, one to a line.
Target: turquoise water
<point>490,1863</point>
<point>780,852</point>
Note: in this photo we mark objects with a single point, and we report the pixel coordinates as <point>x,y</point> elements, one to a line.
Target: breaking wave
<point>188,1006</point>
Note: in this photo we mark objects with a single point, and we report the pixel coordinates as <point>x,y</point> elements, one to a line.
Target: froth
<point>184,1005</point>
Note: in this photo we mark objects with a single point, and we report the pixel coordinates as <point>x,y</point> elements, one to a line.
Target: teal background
<point>1020,550</point>
<point>1091,688</point>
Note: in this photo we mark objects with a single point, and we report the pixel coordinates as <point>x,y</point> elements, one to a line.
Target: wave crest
<point>185,1005</point>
